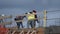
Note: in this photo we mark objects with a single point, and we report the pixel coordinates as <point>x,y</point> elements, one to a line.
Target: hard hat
<point>2,15</point>
<point>28,13</point>
<point>34,11</point>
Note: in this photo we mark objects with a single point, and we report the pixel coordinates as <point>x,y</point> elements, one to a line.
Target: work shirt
<point>19,19</point>
<point>30,16</point>
<point>35,15</point>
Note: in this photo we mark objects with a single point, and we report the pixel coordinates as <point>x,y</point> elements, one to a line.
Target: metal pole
<point>44,25</point>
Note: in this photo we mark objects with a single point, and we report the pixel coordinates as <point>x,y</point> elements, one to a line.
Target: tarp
<point>3,30</point>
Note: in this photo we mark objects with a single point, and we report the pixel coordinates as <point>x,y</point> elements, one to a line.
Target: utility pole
<point>44,24</point>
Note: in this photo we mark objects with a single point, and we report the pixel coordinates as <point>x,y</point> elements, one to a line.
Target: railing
<point>22,32</point>
<point>28,31</point>
<point>34,32</point>
<point>13,32</point>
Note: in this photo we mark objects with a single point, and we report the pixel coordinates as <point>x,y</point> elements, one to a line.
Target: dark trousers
<point>37,22</point>
<point>1,21</point>
<point>19,23</point>
<point>31,23</point>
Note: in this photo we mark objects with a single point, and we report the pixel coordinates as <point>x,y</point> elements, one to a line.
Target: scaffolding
<point>40,30</point>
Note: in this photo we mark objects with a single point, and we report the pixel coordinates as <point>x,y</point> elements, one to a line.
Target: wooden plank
<point>26,29</point>
<point>6,23</point>
<point>3,17</point>
<point>38,30</point>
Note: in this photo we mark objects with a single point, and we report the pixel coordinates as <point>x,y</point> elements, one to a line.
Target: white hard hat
<point>28,13</point>
<point>2,15</point>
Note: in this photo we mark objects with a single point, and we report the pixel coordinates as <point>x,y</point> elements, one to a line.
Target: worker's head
<point>26,13</point>
<point>30,12</point>
<point>34,11</point>
<point>2,15</point>
<point>16,16</point>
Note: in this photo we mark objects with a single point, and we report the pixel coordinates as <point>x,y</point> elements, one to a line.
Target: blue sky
<point>15,7</point>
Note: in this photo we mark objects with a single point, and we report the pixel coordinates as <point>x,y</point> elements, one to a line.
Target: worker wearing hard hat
<point>19,20</point>
<point>1,20</point>
<point>30,18</point>
<point>36,18</point>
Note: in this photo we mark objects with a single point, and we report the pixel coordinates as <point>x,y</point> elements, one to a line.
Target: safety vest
<point>30,16</point>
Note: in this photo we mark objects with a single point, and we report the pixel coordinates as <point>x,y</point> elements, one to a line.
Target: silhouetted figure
<point>36,18</point>
<point>30,18</point>
<point>19,20</point>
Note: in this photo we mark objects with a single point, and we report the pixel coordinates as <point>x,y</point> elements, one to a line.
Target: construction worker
<point>1,20</point>
<point>30,18</point>
<point>36,18</point>
<point>19,20</point>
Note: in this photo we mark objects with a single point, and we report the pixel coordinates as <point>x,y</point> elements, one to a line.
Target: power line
<point>53,19</point>
<point>39,12</point>
<point>53,11</point>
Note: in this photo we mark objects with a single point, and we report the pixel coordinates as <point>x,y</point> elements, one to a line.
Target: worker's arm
<point>19,21</point>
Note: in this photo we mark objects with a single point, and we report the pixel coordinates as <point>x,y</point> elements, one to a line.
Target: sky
<point>16,7</point>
